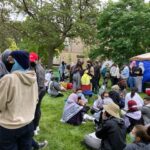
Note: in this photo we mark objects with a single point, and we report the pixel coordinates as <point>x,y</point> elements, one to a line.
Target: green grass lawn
<point>59,135</point>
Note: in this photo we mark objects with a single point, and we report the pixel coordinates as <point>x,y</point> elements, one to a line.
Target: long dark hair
<point>133,91</point>
<point>143,133</point>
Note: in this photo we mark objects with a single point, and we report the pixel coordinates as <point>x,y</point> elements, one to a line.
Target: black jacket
<point>137,146</point>
<point>116,98</point>
<point>113,134</point>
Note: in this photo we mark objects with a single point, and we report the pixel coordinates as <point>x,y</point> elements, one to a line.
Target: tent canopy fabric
<point>145,58</point>
<point>146,76</point>
<point>142,57</point>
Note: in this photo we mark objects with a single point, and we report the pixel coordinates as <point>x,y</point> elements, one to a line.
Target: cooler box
<point>86,87</point>
<point>69,86</point>
<point>147,91</point>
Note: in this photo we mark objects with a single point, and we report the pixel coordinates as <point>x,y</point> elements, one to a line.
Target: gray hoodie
<point>137,146</point>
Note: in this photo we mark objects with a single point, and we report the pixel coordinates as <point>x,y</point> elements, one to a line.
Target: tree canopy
<point>123,30</point>
<point>46,24</point>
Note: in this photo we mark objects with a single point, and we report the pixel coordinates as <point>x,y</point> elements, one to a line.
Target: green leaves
<point>123,29</point>
<point>48,23</point>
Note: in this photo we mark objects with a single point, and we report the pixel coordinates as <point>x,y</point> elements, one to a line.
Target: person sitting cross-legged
<point>112,134</point>
<point>75,109</point>
<point>54,88</point>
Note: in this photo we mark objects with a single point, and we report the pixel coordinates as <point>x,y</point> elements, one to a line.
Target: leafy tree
<point>48,23</point>
<point>9,33</point>
<point>123,30</point>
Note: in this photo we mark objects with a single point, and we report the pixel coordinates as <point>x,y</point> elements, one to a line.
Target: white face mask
<point>132,137</point>
<point>79,94</point>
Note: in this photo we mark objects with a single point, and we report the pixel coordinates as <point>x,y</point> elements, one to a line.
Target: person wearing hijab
<point>4,65</point>
<point>19,95</point>
<point>75,109</point>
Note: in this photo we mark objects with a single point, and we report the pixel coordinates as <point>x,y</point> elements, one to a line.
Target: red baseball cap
<point>33,57</point>
<point>132,105</point>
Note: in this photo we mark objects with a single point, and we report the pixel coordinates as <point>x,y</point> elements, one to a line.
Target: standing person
<point>40,73</point>
<point>125,73</point>
<point>86,81</point>
<point>77,77</point>
<point>96,77</point>
<point>139,76</point>
<point>91,72</point>
<point>114,74</point>
<point>140,137</point>
<point>19,95</point>
<point>131,80</point>
<point>4,63</point>
<point>113,131</point>
<point>62,69</point>
<point>72,66</point>
<point>48,77</point>
<point>105,74</point>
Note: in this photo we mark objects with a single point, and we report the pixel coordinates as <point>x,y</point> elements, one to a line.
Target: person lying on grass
<point>75,109</point>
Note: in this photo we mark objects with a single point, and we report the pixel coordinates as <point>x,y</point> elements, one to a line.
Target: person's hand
<point>81,102</point>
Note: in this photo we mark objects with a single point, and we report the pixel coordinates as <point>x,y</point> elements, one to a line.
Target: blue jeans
<point>131,82</point>
<point>16,139</point>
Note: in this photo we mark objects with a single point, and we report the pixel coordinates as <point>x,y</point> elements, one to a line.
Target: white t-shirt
<point>136,98</point>
<point>47,78</point>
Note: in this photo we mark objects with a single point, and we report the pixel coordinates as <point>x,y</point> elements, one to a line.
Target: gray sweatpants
<point>92,141</point>
<point>138,83</point>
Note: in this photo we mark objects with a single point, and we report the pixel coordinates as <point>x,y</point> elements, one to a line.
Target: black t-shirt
<point>138,72</point>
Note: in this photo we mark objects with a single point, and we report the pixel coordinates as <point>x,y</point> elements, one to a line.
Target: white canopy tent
<point>141,57</point>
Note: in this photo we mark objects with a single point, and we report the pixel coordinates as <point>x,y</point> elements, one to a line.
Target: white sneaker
<point>61,120</point>
<point>36,132</point>
<point>88,117</point>
<point>38,129</point>
<point>43,144</point>
<point>83,122</point>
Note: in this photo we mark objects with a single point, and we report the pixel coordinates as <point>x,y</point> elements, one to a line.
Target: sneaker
<point>38,129</point>
<point>88,117</point>
<point>61,120</point>
<point>83,122</point>
<point>43,144</point>
<point>36,132</point>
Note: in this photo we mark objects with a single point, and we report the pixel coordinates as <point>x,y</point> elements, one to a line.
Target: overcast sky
<point>20,17</point>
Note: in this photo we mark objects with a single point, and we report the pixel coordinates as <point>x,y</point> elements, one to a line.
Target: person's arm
<point>141,102</point>
<point>143,109</point>
<point>103,132</point>
<point>57,86</point>
<point>5,92</point>
<point>129,147</point>
<point>126,103</point>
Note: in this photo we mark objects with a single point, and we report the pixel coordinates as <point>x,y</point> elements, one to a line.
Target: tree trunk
<point>50,59</point>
